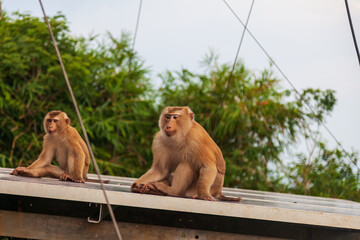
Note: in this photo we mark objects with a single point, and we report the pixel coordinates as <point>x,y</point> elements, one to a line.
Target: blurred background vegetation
<point>259,127</point>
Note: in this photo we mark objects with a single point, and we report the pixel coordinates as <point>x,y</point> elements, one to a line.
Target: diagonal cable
<point>137,24</point>
<point>237,54</point>
<point>127,78</point>
<point>352,30</point>
<point>292,85</point>
<point>81,122</point>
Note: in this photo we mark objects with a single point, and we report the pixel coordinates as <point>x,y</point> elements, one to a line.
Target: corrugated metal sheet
<point>269,206</point>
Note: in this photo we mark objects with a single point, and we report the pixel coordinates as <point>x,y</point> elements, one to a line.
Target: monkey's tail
<point>222,197</point>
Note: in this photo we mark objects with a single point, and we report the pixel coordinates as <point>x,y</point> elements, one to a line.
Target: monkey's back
<point>75,140</point>
<point>207,150</point>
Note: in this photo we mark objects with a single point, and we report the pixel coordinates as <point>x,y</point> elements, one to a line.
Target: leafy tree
<point>114,96</point>
<point>255,122</point>
<point>326,175</point>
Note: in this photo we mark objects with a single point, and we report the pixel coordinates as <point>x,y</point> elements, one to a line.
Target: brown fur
<point>64,142</point>
<point>187,162</point>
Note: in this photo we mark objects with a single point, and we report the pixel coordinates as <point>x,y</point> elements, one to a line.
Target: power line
<point>237,54</point>
<point>235,62</point>
<point>292,85</point>
<point>137,24</point>
<point>128,72</point>
<point>81,122</point>
<point>352,30</point>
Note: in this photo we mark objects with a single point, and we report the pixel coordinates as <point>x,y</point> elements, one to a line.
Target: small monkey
<point>186,163</point>
<point>64,142</point>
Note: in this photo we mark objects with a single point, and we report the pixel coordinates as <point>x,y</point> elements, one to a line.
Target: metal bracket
<point>100,212</point>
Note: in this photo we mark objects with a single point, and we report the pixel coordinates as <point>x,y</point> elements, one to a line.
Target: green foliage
<point>326,175</point>
<point>256,126</point>
<point>114,95</point>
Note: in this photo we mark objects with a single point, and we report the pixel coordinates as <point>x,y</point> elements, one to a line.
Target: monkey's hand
<point>139,188</point>
<point>148,188</point>
<point>153,188</point>
<point>135,187</point>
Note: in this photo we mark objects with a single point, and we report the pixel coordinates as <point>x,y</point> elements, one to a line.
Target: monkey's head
<point>175,120</point>
<point>55,122</point>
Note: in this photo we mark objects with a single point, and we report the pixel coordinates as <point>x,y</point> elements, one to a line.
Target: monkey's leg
<point>47,171</point>
<point>206,179</point>
<point>154,174</point>
<point>75,165</point>
<point>182,179</point>
<point>54,171</point>
<point>216,189</point>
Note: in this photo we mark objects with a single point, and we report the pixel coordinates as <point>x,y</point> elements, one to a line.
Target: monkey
<point>64,142</point>
<point>186,160</point>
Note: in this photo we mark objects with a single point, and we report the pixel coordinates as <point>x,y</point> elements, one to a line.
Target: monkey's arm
<point>45,157</point>
<point>154,174</point>
<point>39,167</point>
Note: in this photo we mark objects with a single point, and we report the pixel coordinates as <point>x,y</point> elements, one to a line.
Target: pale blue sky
<point>310,40</point>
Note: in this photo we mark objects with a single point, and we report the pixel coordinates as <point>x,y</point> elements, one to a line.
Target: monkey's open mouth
<point>169,134</point>
<point>52,132</point>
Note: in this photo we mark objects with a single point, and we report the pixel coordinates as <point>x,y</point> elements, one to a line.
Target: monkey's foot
<point>23,171</point>
<point>204,197</point>
<point>78,180</point>
<point>17,171</point>
<point>67,177</point>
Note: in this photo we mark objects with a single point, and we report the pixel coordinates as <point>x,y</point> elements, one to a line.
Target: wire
<point>352,30</point>
<point>128,72</point>
<point>292,85</point>
<point>237,54</point>
<point>137,24</point>
<point>81,122</point>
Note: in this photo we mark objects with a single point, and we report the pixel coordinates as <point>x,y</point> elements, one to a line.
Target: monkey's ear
<point>192,116</point>
<point>67,121</point>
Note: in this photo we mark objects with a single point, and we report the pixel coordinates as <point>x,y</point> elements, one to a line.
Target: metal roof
<point>260,205</point>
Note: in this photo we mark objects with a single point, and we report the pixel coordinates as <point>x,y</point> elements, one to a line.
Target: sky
<point>310,40</point>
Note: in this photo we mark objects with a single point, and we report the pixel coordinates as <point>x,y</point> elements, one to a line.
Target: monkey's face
<point>171,123</point>
<point>52,125</point>
<point>176,119</point>
<point>55,122</point>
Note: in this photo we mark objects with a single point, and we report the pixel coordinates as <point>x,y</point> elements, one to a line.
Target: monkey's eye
<point>168,116</point>
<point>175,116</point>
<point>52,120</point>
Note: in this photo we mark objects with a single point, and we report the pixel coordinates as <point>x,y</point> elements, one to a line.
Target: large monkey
<point>64,142</point>
<point>187,162</point>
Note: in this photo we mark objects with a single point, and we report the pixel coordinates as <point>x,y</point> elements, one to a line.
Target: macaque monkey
<point>186,163</point>
<point>64,142</point>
